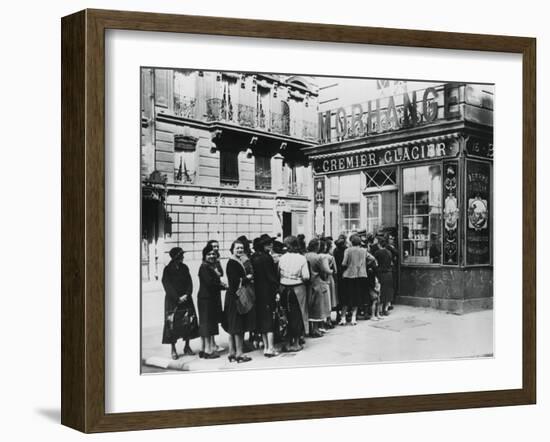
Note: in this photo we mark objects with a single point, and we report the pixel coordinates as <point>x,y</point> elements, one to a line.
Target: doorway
<point>287,224</point>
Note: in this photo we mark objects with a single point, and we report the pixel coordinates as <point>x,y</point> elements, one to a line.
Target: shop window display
<point>422,214</point>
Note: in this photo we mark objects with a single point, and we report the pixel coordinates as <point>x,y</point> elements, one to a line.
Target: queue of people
<point>277,292</point>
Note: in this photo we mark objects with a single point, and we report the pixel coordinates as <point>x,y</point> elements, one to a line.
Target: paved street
<point>408,334</point>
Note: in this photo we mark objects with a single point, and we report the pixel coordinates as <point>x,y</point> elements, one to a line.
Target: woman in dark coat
<point>237,324</point>
<point>266,282</point>
<point>178,286</point>
<point>385,275</point>
<point>209,301</point>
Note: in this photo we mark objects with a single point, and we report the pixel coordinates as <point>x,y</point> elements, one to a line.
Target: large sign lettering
<point>385,157</point>
<point>389,113</point>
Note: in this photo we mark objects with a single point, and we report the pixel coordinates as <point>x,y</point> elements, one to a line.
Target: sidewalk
<point>408,334</point>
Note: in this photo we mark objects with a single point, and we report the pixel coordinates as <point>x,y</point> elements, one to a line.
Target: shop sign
<point>477,147</point>
<point>390,113</point>
<point>478,187</point>
<point>386,157</point>
<point>219,201</point>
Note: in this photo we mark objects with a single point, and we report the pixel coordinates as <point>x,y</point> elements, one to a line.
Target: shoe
<point>212,355</point>
<point>271,354</point>
<point>187,351</point>
<point>353,322</point>
<point>301,340</point>
<point>175,356</point>
<point>240,359</point>
<point>231,358</point>
<point>316,334</point>
<point>390,307</point>
<point>219,349</point>
<point>201,354</point>
<point>342,322</point>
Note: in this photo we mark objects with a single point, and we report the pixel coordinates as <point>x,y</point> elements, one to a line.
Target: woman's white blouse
<point>293,269</point>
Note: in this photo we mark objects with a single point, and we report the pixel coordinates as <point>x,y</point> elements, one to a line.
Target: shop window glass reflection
<point>349,218</point>
<point>422,214</point>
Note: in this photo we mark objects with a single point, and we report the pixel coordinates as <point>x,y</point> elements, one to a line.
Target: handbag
<point>245,298</point>
<point>183,322</point>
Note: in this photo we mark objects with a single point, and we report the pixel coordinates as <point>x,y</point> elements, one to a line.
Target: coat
<point>209,300</point>
<point>266,284</point>
<point>177,282</point>
<point>235,323</point>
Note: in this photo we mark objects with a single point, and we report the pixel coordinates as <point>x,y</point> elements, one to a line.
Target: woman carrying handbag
<point>179,310</point>
<point>239,312</point>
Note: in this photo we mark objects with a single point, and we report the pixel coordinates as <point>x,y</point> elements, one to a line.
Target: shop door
<point>382,220</point>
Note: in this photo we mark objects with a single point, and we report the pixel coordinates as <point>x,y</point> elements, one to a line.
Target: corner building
<point>222,157</point>
<point>418,165</point>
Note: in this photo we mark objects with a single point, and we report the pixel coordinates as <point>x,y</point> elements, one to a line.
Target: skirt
<point>293,300</point>
<point>210,316</point>
<point>354,292</point>
<point>319,301</point>
<point>233,322</point>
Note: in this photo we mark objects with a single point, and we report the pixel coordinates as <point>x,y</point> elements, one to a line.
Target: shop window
<point>422,215</point>
<point>377,178</point>
<point>349,197</point>
<point>349,218</point>
<point>229,167</point>
<point>374,213</point>
<point>263,172</point>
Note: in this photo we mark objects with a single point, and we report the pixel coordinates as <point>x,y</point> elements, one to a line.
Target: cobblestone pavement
<point>408,334</point>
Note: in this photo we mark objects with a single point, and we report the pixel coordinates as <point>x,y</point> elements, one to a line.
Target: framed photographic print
<point>267,221</point>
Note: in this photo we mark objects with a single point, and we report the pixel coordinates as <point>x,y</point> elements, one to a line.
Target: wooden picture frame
<point>83,220</point>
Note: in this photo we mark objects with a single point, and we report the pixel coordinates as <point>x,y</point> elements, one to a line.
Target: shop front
<point>430,187</point>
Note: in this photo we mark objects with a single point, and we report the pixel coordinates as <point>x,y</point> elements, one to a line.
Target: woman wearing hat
<point>266,283</point>
<point>178,286</point>
<point>209,301</point>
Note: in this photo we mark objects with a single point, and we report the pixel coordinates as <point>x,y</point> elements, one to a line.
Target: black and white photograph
<point>299,220</point>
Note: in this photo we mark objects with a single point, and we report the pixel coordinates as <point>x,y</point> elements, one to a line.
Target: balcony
<point>250,116</point>
<point>184,106</point>
<point>296,189</point>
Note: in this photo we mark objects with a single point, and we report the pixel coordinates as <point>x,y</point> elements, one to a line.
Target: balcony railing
<point>296,189</point>
<point>249,116</point>
<point>185,106</point>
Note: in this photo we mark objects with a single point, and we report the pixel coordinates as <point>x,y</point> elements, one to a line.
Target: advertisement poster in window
<point>478,232</point>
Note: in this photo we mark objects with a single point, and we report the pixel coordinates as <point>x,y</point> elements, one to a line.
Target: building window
<point>422,215</point>
<point>263,172</point>
<point>377,178</point>
<point>349,218</point>
<point>349,201</point>
<point>229,167</point>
